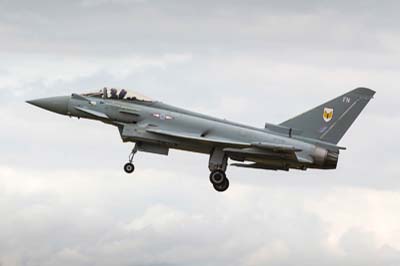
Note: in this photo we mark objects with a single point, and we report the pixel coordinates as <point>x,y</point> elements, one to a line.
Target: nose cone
<point>54,104</point>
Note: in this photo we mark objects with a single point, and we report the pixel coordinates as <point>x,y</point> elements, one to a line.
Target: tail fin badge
<point>328,114</point>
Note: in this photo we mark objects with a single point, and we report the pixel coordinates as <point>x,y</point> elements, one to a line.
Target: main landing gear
<point>219,180</point>
<point>217,165</point>
<point>129,167</point>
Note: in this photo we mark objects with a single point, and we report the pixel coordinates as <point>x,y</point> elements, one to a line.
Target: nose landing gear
<point>129,167</point>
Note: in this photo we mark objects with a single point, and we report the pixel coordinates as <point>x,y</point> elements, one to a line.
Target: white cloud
<point>93,3</point>
<point>103,221</point>
<point>19,71</point>
<point>362,209</point>
<point>157,217</point>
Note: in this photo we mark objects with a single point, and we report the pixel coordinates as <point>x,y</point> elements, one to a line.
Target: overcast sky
<point>64,198</point>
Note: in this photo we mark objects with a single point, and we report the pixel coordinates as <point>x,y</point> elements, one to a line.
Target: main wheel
<point>222,187</point>
<point>129,168</point>
<point>217,177</point>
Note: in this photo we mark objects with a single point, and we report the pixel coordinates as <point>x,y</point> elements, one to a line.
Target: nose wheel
<point>129,167</point>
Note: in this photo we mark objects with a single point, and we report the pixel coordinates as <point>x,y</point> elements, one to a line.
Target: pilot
<point>113,93</point>
<point>105,95</point>
<point>122,94</point>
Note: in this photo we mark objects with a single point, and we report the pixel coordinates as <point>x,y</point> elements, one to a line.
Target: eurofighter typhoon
<point>305,141</point>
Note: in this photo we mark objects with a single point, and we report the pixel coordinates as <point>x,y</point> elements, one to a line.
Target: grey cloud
<point>119,27</point>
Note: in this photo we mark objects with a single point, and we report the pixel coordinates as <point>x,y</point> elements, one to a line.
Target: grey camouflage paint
<point>306,141</point>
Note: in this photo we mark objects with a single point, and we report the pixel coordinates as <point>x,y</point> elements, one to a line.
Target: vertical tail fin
<point>330,121</point>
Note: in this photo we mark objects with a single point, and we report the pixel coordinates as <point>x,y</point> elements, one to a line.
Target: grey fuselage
<point>134,118</point>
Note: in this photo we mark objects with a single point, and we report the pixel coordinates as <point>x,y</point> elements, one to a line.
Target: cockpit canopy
<point>118,94</point>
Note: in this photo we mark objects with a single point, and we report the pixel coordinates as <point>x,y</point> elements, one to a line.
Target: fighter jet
<point>308,140</point>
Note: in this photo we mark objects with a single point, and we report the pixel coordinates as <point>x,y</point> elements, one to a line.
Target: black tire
<point>129,168</point>
<point>222,187</point>
<point>217,177</point>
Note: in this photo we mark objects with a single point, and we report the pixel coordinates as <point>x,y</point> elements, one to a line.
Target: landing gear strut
<point>217,165</point>
<point>129,167</point>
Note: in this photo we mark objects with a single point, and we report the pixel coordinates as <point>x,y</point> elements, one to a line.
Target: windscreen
<point>118,94</point>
